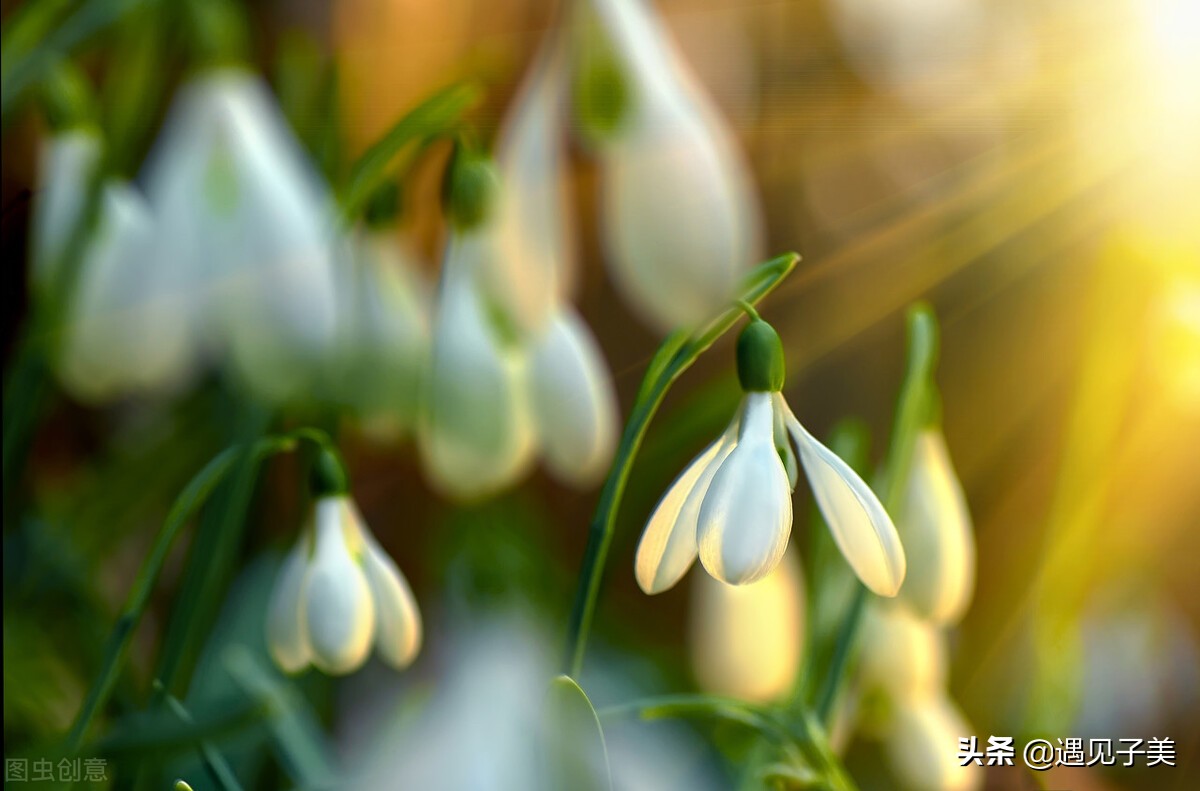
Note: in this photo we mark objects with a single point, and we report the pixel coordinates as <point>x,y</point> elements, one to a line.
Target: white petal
<point>122,334</point>
<point>680,216</point>
<point>923,747</point>
<point>861,527</point>
<point>477,436</point>
<point>338,608</point>
<point>939,542</point>
<point>902,655</point>
<point>668,546</point>
<point>574,403</point>
<point>66,163</point>
<point>746,517</point>
<point>397,619</point>
<point>531,275</point>
<point>246,225</point>
<point>287,638</point>
<point>747,640</point>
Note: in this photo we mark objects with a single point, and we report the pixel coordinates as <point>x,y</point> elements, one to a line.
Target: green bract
<point>760,358</point>
<point>328,476</point>
<point>470,188</point>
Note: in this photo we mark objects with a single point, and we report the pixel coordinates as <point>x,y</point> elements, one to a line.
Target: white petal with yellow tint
<point>287,636</point>
<point>746,518</point>
<point>668,546</point>
<point>397,619</point>
<point>902,655</point>
<point>574,404</point>
<point>922,747</point>
<point>939,541</point>
<point>860,526</point>
<point>338,608</point>
<point>747,640</point>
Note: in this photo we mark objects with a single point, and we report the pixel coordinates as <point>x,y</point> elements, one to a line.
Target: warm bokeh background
<point>1031,168</point>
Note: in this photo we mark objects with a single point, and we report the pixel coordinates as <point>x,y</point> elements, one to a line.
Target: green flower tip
<point>220,35</point>
<point>181,785</point>
<point>328,477</point>
<point>383,207</point>
<point>760,358</point>
<point>68,99</point>
<point>470,188</point>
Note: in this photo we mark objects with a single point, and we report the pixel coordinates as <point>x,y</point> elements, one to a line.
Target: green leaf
<point>29,67</point>
<point>576,755</point>
<point>434,117</point>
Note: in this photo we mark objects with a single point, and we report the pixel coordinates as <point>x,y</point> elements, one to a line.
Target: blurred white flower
<point>530,276</point>
<point>377,367</point>
<point>574,404</point>
<point>245,225</point>
<point>747,640</point>
<point>67,163</point>
<point>935,526</point>
<point>680,216</point>
<point>902,655</point>
<point>476,436</point>
<point>733,503</point>
<point>121,333</point>
<point>921,745</point>
<point>337,595</point>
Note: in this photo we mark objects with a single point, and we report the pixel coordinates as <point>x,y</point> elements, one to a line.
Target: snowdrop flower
<point>476,436</point>
<point>338,592</point>
<point>935,526</point>
<point>747,640</point>
<point>378,364</point>
<point>570,387</point>
<point>245,225</point>
<point>680,215</point>
<point>121,334</point>
<point>733,503</point>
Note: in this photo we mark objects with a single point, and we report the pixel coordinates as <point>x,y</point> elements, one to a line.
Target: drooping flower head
<point>680,217</point>
<point>936,528</point>
<point>339,594</point>
<point>732,506</point>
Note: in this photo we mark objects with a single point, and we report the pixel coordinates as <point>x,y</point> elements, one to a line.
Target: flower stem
<point>676,354</point>
<point>911,410</point>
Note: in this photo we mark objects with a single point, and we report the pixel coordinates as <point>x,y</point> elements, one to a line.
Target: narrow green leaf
<point>576,755</point>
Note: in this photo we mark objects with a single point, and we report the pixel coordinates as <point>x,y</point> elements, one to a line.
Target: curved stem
<point>675,356</point>
<point>755,717</point>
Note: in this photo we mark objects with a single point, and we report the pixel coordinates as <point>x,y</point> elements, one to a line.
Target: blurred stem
<point>189,501</point>
<point>214,762</point>
<point>912,409</point>
<point>674,356</point>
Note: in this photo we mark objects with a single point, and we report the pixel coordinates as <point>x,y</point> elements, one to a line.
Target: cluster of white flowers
<point>904,663</point>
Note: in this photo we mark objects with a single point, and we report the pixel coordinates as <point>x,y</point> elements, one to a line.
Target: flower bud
<point>470,188</point>
<point>760,358</point>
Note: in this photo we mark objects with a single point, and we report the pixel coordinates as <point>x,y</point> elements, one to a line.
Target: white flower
<point>338,594</point>
<point>733,505</point>
<point>246,226</point>
<point>67,162</point>
<point>121,334</point>
<point>747,640</point>
<point>476,436</point>
<point>935,526</point>
<point>680,215</point>
<point>921,746</point>
<point>574,405</point>
<point>378,364</point>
